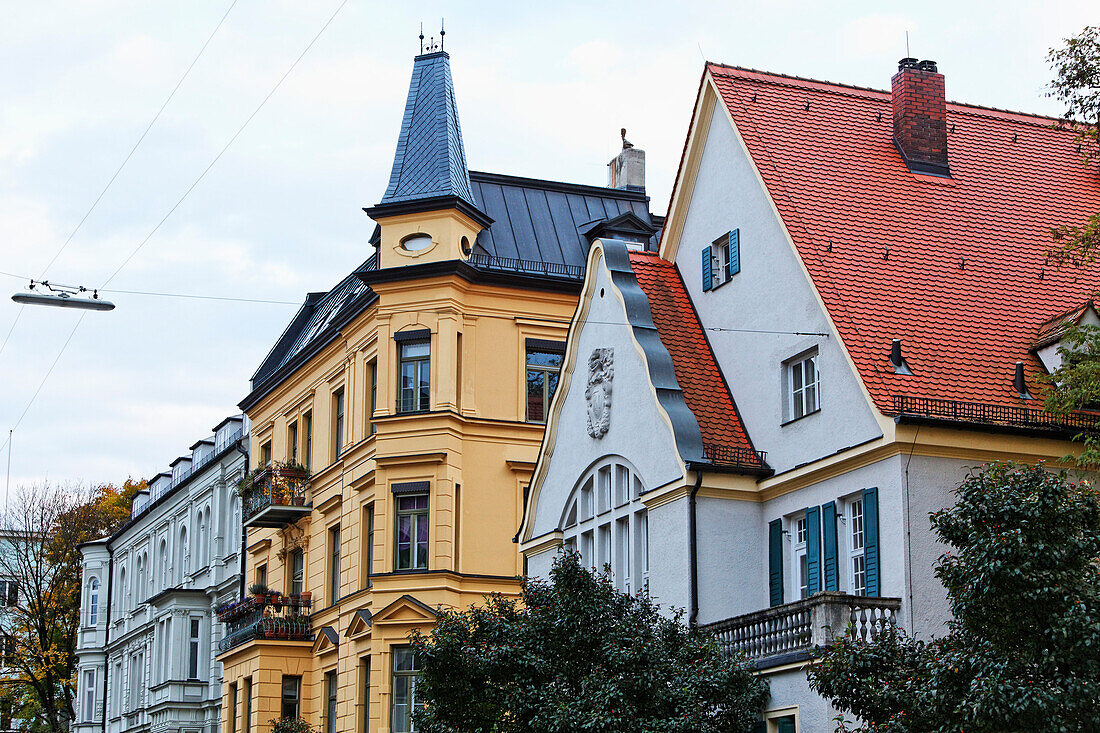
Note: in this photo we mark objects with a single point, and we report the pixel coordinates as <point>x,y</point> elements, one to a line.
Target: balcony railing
<point>736,457</point>
<point>272,616</point>
<point>803,625</point>
<point>1000,415</point>
<point>527,267</point>
<point>274,496</point>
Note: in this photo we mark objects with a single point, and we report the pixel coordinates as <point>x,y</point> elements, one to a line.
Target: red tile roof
<point>704,389</point>
<point>956,267</point>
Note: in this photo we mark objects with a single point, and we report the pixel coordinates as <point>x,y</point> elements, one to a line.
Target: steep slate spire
<point>430,162</point>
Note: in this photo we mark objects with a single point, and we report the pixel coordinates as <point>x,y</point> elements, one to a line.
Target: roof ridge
<point>963,107</point>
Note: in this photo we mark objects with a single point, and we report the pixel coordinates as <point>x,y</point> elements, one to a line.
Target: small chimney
<point>627,169</point>
<point>920,116</point>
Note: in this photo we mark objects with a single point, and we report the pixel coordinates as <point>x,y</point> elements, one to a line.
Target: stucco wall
<point>638,430</point>
<point>733,560</point>
<point>772,293</point>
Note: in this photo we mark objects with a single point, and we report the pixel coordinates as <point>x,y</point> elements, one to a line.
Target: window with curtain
<point>412,531</point>
<point>297,571</point>
<point>414,367</point>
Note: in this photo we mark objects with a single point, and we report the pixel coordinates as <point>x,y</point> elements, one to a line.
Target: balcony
<point>272,616</point>
<point>274,496</point>
<point>787,633</point>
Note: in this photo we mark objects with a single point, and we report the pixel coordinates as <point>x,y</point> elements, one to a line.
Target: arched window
<point>200,553</point>
<point>93,601</point>
<point>605,520</point>
<point>234,524</point>
<point>122,590</point>
<point>139,580</point>
<point>163,564</point>
<point>183,558</point>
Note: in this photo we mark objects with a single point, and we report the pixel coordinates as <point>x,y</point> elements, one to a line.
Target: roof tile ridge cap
<point>826,276</point>
<point>802,82</point>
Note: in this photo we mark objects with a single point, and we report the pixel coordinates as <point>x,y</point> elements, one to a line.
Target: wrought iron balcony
<point>1008,417</point>
<point>271,616</point>
<point>275,496</point>
<point>771,636</point>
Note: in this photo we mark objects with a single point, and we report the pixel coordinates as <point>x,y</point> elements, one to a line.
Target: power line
<point>226,147</point>
<point>174,207</point>
<point>19,313</point>
<point>187,296</point>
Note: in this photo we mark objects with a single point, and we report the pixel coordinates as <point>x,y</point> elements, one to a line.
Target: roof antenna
<point>441,34</point>
<point>907,54</point>
<point>421,38</point>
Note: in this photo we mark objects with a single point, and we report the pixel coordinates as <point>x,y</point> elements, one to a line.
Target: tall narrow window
<point>307,440</point>
<point>372,398</point>
<point>802,577</point>
<point>543,369</point>
<point>9,593</point>
<point>261,575</point>
<point>297,572</point>
<point>412,532</point>
<point>292,442</point>
<point>803,381</point>
<point>330,702</point>
<point>368,543</point>
<point>334,564</point>
<point>414,368</point>
<point>231,714</point>
<point>93,601</point>
<point>89,695</point>
<point>193,651</point>
<point>292,696</point>
<point>116,697</point>
<point>856,546</point>
<point>246,714</point>
<point>265,454</point>
<point>405,671</point>
<point>364,692</point>
<point>338,422</point>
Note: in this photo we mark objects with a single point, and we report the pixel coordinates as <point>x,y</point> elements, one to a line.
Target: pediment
<point>327,640</point>
<point>360,624</point>
<point>405,610</point>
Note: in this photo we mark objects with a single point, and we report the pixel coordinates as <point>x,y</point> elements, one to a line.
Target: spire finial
<point>441,34</point>
<point>422,38</point>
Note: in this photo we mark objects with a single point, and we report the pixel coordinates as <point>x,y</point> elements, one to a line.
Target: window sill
<point>803,417</point>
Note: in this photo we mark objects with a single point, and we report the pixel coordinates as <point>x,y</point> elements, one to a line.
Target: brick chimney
<point>920,116</point>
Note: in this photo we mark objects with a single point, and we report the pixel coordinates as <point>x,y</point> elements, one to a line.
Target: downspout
<point>244,532</point>
<point>693,551</point>
<point>107,632</point>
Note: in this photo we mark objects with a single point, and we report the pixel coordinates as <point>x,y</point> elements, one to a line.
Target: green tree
<point>1076,84</point>
<point>1022,652</point>
<point>42,530</point>
<point>577,655</point>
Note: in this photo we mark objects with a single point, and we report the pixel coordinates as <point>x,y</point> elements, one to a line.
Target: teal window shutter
<point>733,253</point>
<point>813,550</point>
<point>828,537</point>
<point>708,280</point>
<point>775,562</point>
<point>870,540</point>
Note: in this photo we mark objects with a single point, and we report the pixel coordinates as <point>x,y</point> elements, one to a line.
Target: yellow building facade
<point>395,425</point>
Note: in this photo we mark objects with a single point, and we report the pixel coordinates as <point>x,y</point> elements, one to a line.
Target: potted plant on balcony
<point>290,725</point>
<point>294,600</point>
<point>259,592</point>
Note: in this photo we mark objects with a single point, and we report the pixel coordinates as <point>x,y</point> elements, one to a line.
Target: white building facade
<point>148,630</point>
<point>755,425</point>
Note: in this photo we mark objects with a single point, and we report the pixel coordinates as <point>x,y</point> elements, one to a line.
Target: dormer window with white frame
<point>803,386</point>
<point>606,522</point>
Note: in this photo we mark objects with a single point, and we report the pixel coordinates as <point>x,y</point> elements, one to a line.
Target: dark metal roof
<point>541,220</point>
<point>430,159</point>
<point>535,237</point>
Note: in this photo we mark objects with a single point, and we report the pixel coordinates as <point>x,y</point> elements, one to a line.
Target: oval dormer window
<point>416,242</point>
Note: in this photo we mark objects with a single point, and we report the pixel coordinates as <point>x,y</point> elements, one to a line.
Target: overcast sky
<point>542,91</point>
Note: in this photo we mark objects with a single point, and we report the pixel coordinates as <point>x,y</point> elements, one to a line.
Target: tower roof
<point>430,162</point>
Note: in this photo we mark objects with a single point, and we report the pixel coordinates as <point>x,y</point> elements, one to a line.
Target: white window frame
<point>89,696</point>
<point>194,648</point>
<point>855,533</point>
<point>801,576</point>
<point>608,523</point>
<point>93,601</point>
<point>803,398</point>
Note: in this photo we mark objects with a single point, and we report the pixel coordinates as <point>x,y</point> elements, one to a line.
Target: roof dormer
<point>1051,334</point>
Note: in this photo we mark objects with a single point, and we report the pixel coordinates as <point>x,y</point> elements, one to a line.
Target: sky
<point>542,90</point>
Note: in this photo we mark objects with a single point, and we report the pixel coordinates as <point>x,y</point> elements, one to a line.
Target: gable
<point>639,428</point>
<point>405,610</point>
